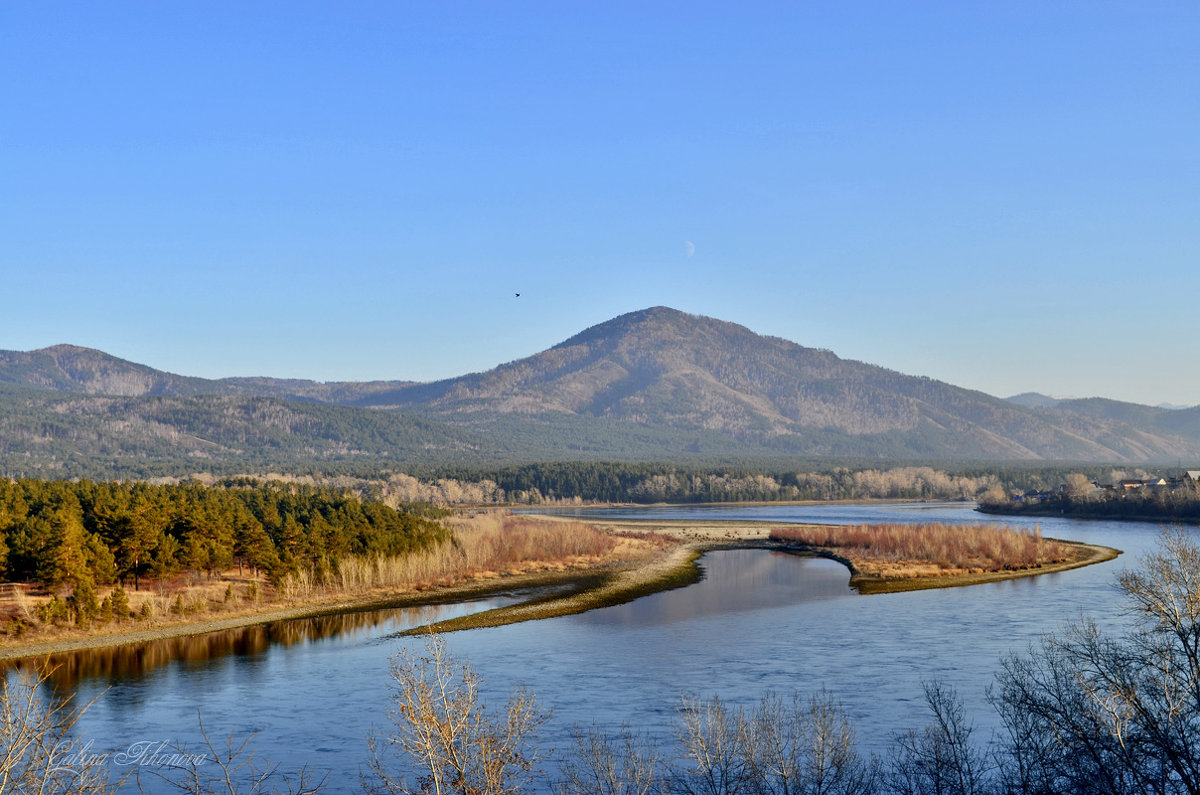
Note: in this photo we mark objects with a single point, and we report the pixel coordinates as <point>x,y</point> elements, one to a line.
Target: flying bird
<point>518,295</point>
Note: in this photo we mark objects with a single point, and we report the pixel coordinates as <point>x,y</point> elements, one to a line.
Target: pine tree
<point>64,560</point>
<point>120,604</point>
<point>83,603</point>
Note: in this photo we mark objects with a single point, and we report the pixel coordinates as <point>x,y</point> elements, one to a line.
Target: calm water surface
<point>758,621</point>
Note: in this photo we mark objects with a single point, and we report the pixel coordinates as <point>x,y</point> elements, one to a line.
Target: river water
<point>758,622</point>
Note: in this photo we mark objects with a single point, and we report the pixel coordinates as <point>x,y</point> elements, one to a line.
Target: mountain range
<point>657,384</point>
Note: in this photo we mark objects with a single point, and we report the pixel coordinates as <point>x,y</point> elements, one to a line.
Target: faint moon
<point>689,247</point>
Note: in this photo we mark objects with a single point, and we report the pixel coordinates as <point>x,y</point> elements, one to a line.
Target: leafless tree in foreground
<point>602,765</point>
<point>942,758</point>
<point>446,735</point>
<point>714,741</point>
<point>39,751</point>
<point>796,747</point>
<point>229,767</point>
<point>805,746</point>
<point>1098,713</point>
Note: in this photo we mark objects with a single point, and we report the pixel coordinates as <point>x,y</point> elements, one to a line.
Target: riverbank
<point>568,579</point>
<point>576,589</point>
<point>675,569</point>
<point>1112,511</point>
<point>492,552</point>
<point>679,568</point>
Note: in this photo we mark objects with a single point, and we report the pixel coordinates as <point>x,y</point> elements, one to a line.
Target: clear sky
<point>1002,195</point>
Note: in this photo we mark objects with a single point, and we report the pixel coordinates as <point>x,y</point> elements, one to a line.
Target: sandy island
<point>575,590</point>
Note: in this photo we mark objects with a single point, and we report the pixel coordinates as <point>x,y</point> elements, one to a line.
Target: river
<point>758,622</point>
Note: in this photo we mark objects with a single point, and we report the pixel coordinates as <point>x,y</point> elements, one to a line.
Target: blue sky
<point>1005,196</point>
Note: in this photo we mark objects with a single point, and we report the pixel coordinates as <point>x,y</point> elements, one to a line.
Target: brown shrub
<point>986,546</point>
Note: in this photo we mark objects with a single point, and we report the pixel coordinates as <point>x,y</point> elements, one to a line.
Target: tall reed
<point>482,544</point>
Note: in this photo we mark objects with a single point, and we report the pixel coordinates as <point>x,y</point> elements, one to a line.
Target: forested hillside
<point>45,433</point>
<point>657,385</point>
<point>71,368</point>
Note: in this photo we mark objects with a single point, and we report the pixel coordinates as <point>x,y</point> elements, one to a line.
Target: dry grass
<point>483,545</point>
<point>933,549</point>
<point>168,602</point>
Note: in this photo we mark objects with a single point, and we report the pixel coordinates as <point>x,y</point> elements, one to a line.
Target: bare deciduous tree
<point>941,759</point>
<point>1079,487</point>
<point>602,765</point>
<point>229,767</point>
<point>1117,714</point>
<point>39,751</point>
<point>714,740</point>
<point>797,747</point>
<point>805,747</point>
<point>446,735</point>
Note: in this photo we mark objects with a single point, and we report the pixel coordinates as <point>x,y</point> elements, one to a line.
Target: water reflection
<point>133,661</point>
<point>735,581</point>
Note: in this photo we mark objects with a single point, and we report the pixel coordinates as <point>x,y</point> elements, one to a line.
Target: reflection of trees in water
<point>134,660</point>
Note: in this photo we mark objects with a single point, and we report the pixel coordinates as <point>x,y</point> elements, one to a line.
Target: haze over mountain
<point>656,384</point>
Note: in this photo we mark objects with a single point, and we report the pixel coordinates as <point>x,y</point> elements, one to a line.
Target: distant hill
<point>70,368</point>
<point>1034,400</point>
<point>664,369</point>
<point>50,434</point>
<point>1152,419</point>
<point>657,384</point>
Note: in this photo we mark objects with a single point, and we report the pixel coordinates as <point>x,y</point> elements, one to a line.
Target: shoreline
<point>551,509</point>
<point>447,594</point>
<point>585,588</point>
<point>1089,515</point>
<point>680,569</point>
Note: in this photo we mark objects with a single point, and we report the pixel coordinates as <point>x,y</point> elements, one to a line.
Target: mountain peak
<point>654,325</point>
<point>654,314</point>
<point>64,347</point>
<point>74,368</point>
<point>661,314</point>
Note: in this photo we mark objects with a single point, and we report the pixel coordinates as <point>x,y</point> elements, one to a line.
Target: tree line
<point>64,534</point>
<point>1146,504</point>
<point>647,483</point>
<point>652,483</point>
